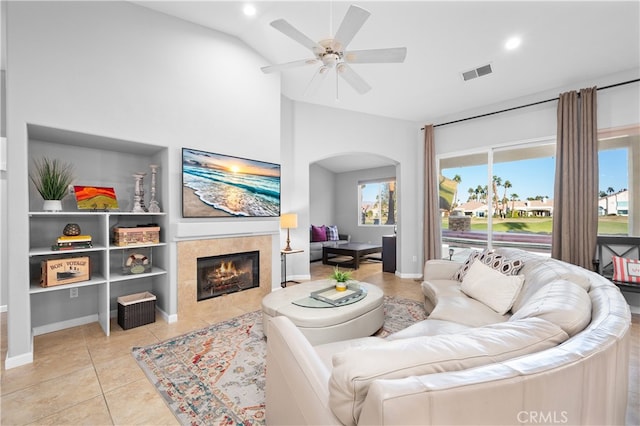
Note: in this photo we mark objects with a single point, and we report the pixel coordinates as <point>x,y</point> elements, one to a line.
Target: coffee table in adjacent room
<point>322,322</point>
<point>355,250</point>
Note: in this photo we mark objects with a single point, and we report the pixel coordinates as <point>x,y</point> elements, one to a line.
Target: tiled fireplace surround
<point>190,251</point>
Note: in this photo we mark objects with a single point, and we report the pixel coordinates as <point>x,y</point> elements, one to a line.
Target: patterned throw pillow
<point>318,233</point>
<point>626,270</point>
<point>332,233</point>
<point>491,259</point>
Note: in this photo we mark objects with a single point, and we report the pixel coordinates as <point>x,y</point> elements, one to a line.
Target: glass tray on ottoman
<point>329,297</point>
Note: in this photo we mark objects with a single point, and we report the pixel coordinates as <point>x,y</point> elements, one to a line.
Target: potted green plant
<point>52,178</point>
<point>341,278</point>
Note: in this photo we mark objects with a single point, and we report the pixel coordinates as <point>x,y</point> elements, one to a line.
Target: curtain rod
<point>528,105</point>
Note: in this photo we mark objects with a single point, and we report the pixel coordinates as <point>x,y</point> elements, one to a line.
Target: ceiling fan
<point>331,52</point>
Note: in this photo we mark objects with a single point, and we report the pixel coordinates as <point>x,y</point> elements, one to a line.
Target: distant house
<point>473,209</point>
<point>531,208</point>
<point>614,204</point>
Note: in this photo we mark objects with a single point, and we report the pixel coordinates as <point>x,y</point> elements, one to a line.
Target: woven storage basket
<point>136,309</point>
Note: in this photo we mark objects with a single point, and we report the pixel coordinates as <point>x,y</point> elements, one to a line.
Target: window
<point>617,151</point>
<point>503,197</point>
<point>377,202</point>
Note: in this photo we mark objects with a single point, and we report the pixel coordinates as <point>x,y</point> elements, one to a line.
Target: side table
<point>283,257</point>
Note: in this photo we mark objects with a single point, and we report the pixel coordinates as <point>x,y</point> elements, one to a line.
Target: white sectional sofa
<point>558,354</point>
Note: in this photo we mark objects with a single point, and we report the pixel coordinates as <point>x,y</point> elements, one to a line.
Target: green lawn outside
<point>609,225</point>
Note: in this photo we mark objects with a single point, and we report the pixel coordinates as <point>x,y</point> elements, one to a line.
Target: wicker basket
<point>136,309</point>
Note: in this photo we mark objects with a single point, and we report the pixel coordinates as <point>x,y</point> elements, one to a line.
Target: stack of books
<point>74,242</point>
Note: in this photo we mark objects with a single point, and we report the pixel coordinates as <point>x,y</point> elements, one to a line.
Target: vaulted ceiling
<point>562,43</point>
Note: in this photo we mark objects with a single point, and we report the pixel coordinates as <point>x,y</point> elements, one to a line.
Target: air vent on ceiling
<point>478,72</point>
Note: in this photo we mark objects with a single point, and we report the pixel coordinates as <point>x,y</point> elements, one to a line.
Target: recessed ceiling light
<point>513,43</point>
<point>249,10</point>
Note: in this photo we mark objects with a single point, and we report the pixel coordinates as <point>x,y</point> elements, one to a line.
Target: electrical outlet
<point>415,258</point>
<point>71,190</point>
<point>73,292</point>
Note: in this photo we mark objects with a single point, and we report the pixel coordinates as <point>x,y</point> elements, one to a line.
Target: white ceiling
<point>562,43</point>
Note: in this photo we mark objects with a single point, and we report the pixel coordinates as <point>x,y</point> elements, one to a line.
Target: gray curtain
<point>432,243</point>
<point>575,211</point>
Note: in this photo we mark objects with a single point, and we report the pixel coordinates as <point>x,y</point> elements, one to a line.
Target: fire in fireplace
<point>227,273</point>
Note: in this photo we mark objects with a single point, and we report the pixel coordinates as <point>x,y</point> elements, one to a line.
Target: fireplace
<point>227,273</point>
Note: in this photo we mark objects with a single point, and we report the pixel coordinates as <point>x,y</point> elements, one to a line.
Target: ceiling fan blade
<point>278,67</point>
<point>351,24</point>
<point>394,54</point>
<point>289,30</point>
<point>351,77</point>
<point>317,79</point>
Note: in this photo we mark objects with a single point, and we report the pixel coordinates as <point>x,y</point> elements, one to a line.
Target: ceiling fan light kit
<point>332,54</point>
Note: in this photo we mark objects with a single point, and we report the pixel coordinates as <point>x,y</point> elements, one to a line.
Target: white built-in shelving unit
<point>97,161</point>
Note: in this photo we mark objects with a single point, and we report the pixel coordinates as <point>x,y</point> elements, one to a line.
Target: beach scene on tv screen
<point>217,185</point>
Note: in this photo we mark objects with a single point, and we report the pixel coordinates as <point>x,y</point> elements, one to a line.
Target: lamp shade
<point>289,220</point>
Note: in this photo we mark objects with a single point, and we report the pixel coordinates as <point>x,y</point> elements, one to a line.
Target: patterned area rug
<point>216,376</point>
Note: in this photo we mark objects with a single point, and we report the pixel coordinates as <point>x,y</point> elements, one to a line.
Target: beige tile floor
<point>80,376</point>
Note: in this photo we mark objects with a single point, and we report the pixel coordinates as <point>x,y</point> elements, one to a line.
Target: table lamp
<point>289,220</point>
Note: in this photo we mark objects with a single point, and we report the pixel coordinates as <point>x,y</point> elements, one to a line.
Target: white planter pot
<point>52,206</point>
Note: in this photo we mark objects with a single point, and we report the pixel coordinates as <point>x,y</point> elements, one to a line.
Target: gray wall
<point>323,197</point>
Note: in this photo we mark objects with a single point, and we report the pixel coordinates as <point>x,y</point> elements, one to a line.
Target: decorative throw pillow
<point>493,260</point>
<point>626,270</point>
<point>332,233</point>
<point>318,233</point>
<point>491,287</point>
<point>460,273</point>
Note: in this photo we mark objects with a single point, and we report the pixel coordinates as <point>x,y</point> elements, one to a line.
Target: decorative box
<point>138,235</point>
<point>136,260</point>
<point>136,309</point>
<point>66,270</point>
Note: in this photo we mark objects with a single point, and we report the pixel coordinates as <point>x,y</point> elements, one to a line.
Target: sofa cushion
<point>355,369</point>
<point>318,233</point>
<point>332,233</point>
<point>561,302</point>
<point>493,288</point>
<point>451,304</point>
<point>539,274</point>
<point>492,259</point>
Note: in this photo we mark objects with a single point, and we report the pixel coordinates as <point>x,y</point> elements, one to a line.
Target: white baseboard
<point>408,276</point>
<point>3,308</point>
<point>17,361</point>
<point>57,326</point>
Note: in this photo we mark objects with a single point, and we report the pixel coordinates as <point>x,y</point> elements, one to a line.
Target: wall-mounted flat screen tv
<point>218,185</point>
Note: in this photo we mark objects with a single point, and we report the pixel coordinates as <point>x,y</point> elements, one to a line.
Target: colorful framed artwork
<point>95,198</point>
<point>219,185</point>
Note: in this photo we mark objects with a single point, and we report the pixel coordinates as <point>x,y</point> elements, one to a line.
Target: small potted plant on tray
<point>52,179</point>
<point>341,278</point>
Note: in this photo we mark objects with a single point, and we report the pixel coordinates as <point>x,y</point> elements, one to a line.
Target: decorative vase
<point>52,206</point>
<point>341,286</point>
<point>71,229</point>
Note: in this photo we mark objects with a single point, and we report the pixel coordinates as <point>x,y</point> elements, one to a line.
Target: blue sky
<point>536,177</point>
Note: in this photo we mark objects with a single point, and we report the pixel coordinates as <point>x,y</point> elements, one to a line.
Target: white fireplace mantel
<point>183,231</point>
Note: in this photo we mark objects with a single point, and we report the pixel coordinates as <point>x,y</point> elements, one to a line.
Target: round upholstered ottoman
<point>325,324</point>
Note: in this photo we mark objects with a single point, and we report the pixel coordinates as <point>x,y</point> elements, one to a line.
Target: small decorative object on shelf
<point>52,179</point>
<point>64,271</point>
<point>341,278</point>
<point>73,242</point>
<point>138,195</point>
<point>154,207</point>
<point>71,230</point>
<point>95,198</point>
<point>136,261</point>
<point>139,235</point>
